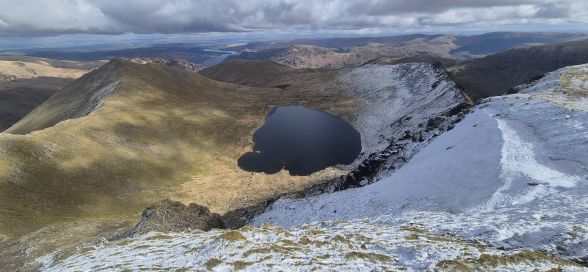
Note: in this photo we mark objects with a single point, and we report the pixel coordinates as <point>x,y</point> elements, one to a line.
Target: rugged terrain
<point>505,190</point>
<point>176,63</point>
<point>89,160</point>
<point>503,60</point>
<point>135,148</point>
<point>312,56</point>
<point>338,52</point>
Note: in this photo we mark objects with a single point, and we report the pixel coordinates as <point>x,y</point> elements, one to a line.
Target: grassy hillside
<point>250,73</point>
<point>57,63</point>
<point>16,69</point>
<point>422,58</point>
<point>157,132</point>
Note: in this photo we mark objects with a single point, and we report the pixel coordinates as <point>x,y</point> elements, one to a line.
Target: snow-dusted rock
<point>411,92</point>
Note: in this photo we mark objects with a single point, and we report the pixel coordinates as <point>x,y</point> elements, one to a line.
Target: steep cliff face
<point>411,92</point>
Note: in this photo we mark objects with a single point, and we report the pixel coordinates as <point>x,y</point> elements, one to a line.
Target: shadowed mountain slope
<point>251,73</point>
<point>19,97</point>
<point>498,74</point>
<point>26,82</point>
<point>76,100</point>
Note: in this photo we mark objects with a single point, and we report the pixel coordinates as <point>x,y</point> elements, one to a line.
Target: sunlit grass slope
<point>127,135</point>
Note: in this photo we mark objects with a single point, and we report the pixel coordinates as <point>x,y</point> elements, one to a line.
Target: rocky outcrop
<point>175,63</point>
<point>169,215</point>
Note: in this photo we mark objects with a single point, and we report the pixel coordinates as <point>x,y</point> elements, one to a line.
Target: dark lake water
<point>302,141</point>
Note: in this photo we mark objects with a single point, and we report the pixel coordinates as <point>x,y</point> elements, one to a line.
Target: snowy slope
<point>514,173</point>
<point>505,190</point>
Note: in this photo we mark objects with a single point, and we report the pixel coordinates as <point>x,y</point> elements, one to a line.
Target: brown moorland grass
<point>159,133</point>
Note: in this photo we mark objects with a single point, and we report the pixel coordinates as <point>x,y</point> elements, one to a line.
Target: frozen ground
<point>331,246</point>
<point>505,190</point>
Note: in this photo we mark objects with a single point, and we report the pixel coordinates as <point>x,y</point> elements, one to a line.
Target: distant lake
<point>218,59</point>
<point>302,141</point>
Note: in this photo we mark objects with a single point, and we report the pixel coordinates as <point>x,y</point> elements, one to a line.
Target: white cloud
<point>47,17</point>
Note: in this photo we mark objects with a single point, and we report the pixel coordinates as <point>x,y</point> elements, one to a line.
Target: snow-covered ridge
<point>413,92</point>
<point>505,190</point>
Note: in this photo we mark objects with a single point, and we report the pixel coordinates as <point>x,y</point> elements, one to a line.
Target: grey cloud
<point>554,10</point>
<point>384,7</point>
<point>50,17</point>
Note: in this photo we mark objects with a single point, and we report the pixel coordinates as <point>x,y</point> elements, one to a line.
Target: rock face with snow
<point>505,190</point>
<point>399,98</point>
<point>403,108</point>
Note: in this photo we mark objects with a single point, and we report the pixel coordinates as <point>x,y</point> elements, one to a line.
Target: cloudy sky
<point>54,17</point>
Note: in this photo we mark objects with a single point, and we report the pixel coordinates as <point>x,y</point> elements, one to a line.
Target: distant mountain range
<point>355,51</point>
